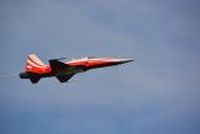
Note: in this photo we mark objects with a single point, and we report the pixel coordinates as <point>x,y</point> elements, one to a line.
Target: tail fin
<point>33,63</point>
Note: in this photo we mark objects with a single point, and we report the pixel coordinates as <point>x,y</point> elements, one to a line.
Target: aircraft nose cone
<point>126,60</point>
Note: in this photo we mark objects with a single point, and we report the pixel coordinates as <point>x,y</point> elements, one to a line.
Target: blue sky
<point>159,93</point>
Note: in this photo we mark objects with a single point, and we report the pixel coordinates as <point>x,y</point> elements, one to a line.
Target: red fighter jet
<point>35,69</point>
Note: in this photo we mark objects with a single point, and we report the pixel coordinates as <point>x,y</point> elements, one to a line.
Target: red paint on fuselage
<point>85,62</point>
<point>35,69</point>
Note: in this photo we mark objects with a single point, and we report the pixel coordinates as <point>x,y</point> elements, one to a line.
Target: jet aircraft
<point>35,69</point>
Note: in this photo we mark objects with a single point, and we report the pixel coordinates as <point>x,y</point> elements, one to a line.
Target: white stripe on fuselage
<point>95,59</point>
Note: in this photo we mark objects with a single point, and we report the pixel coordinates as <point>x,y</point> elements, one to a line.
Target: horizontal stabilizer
<point>34,79</point>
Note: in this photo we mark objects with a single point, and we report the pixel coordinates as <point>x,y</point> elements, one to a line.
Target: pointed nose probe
<point>123,61</point>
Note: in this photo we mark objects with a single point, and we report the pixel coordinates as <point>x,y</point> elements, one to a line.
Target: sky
<point>158,93</point>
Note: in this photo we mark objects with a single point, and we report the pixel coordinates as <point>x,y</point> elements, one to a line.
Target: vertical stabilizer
<point>33,62</point>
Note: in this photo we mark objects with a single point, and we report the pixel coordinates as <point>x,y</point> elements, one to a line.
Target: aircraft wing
<point>63,71</point>
<point>64,78</point>
<point>59,67</point>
